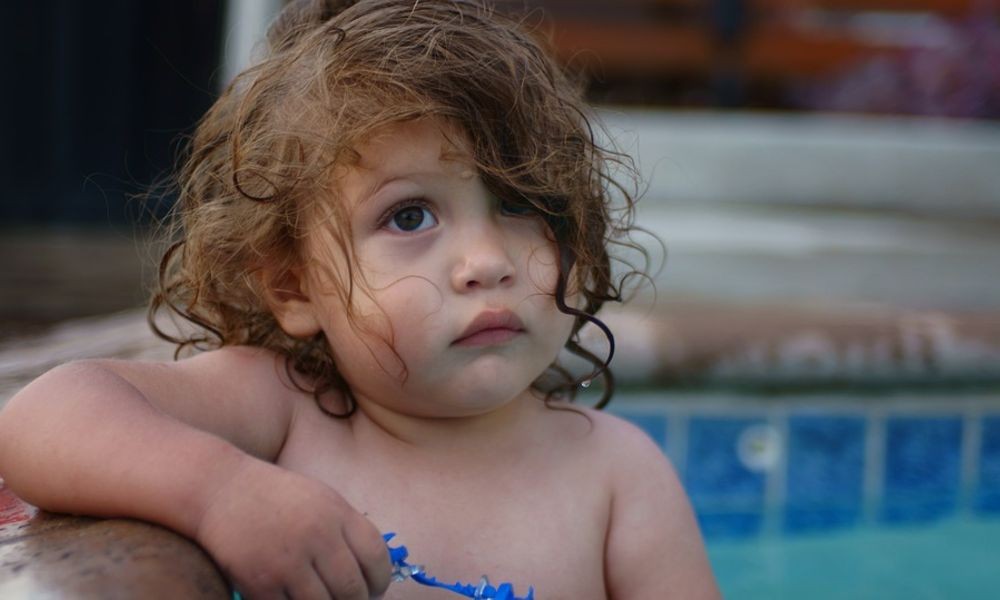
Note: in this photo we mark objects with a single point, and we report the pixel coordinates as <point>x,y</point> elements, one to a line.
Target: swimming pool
<point>955,558</point>
<point>860,494</point>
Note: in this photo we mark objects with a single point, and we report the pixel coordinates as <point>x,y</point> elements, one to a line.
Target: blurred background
<point>821,356</point>
<point>876,108</point>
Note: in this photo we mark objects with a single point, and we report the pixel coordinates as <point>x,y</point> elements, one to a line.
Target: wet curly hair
<point>332,74</point>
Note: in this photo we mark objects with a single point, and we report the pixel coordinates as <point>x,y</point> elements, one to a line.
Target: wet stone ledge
<point>43,555</point>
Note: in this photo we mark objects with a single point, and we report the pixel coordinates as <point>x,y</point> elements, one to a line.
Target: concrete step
<point>821,257</point>
<point>933,166</point>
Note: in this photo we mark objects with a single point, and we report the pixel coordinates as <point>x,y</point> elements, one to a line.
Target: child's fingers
<point>369,548</point>
<point>308,586</point>
<point>342,576</point>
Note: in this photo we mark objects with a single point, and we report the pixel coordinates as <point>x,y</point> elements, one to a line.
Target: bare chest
<point>534,525</point>
<point>556,550</point>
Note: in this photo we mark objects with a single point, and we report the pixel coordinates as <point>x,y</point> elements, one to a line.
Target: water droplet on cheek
<point>585,383</point>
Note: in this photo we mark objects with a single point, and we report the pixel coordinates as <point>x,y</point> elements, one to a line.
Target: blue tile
<point>825,476</point>
<point>729,525</point>
<point>728,497</point>
<point>987,494</point>
<point>922,468</point>
<point>812,518</point>
<point>653,424</point>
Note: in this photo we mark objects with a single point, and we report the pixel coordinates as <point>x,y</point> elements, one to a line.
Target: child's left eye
<point>517,210</point>
<point>411,218</point>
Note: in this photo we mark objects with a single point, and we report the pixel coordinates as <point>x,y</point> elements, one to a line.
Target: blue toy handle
<point>483,591</point>
<point>402,570</point>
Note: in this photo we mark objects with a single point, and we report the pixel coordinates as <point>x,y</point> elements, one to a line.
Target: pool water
<point>838,495</point>
<point>957,558</point>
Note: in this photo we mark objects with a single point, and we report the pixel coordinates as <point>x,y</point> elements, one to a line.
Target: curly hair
<point>333,73</point>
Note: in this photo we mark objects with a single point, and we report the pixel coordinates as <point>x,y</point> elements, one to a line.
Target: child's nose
<point>483,262</point>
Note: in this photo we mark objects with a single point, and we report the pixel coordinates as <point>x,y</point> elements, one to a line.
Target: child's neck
<point>492,433</point>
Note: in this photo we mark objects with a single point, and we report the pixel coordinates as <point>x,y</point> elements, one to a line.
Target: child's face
<point>438,255</point>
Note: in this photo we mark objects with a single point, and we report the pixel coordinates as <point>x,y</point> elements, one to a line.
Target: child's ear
<point>287,295</point>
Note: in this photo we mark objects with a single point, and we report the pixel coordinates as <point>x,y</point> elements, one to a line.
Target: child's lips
<point>489,328</point>
<point>488,337</point>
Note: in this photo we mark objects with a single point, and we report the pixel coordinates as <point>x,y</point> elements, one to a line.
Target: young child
<point>390,228</point>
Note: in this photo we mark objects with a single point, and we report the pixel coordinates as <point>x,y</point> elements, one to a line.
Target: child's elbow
<point>31,412</point>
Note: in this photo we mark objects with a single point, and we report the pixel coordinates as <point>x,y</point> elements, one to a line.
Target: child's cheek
<point>542,267</point>
<point>574,290</point>
<point>543,271</point>
<point>411,313</point>
<point>361,344</point>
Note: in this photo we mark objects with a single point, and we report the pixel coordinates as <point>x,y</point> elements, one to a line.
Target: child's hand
<point>278,534</point>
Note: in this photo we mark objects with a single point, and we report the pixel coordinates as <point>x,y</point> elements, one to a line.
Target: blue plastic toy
<point>402,570</point>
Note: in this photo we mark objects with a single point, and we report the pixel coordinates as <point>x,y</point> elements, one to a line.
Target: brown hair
<point>333,73</point>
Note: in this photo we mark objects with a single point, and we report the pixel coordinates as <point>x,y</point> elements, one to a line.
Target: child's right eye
<point>413,216</point>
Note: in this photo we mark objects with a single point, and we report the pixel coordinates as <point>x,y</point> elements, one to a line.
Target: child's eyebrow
<point>461,158</point>
<point>450,153</point>
<point>378,184</point>
<point>381,183</point>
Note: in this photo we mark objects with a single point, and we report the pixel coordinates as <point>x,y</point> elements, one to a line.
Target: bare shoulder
<point>241,393</point>
<point>614,441</point>
<point>614,449</point>
<point>239,373</point>
<point>654,548</point>
<point>610,432</point>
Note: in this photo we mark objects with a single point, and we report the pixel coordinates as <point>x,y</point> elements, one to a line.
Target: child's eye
<point>409,218</point>
<point>517,210</point>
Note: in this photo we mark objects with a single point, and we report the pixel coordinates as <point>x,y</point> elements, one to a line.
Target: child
<point>391,227</point>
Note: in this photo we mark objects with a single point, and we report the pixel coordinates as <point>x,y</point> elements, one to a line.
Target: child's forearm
<point>83,440</point>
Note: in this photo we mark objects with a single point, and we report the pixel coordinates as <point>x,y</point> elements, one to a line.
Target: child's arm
<point>188,445</point>
<point>654,548</point>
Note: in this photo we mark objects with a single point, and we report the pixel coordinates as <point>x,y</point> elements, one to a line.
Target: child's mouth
<point>488,337</point>
<point>490,328</point>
